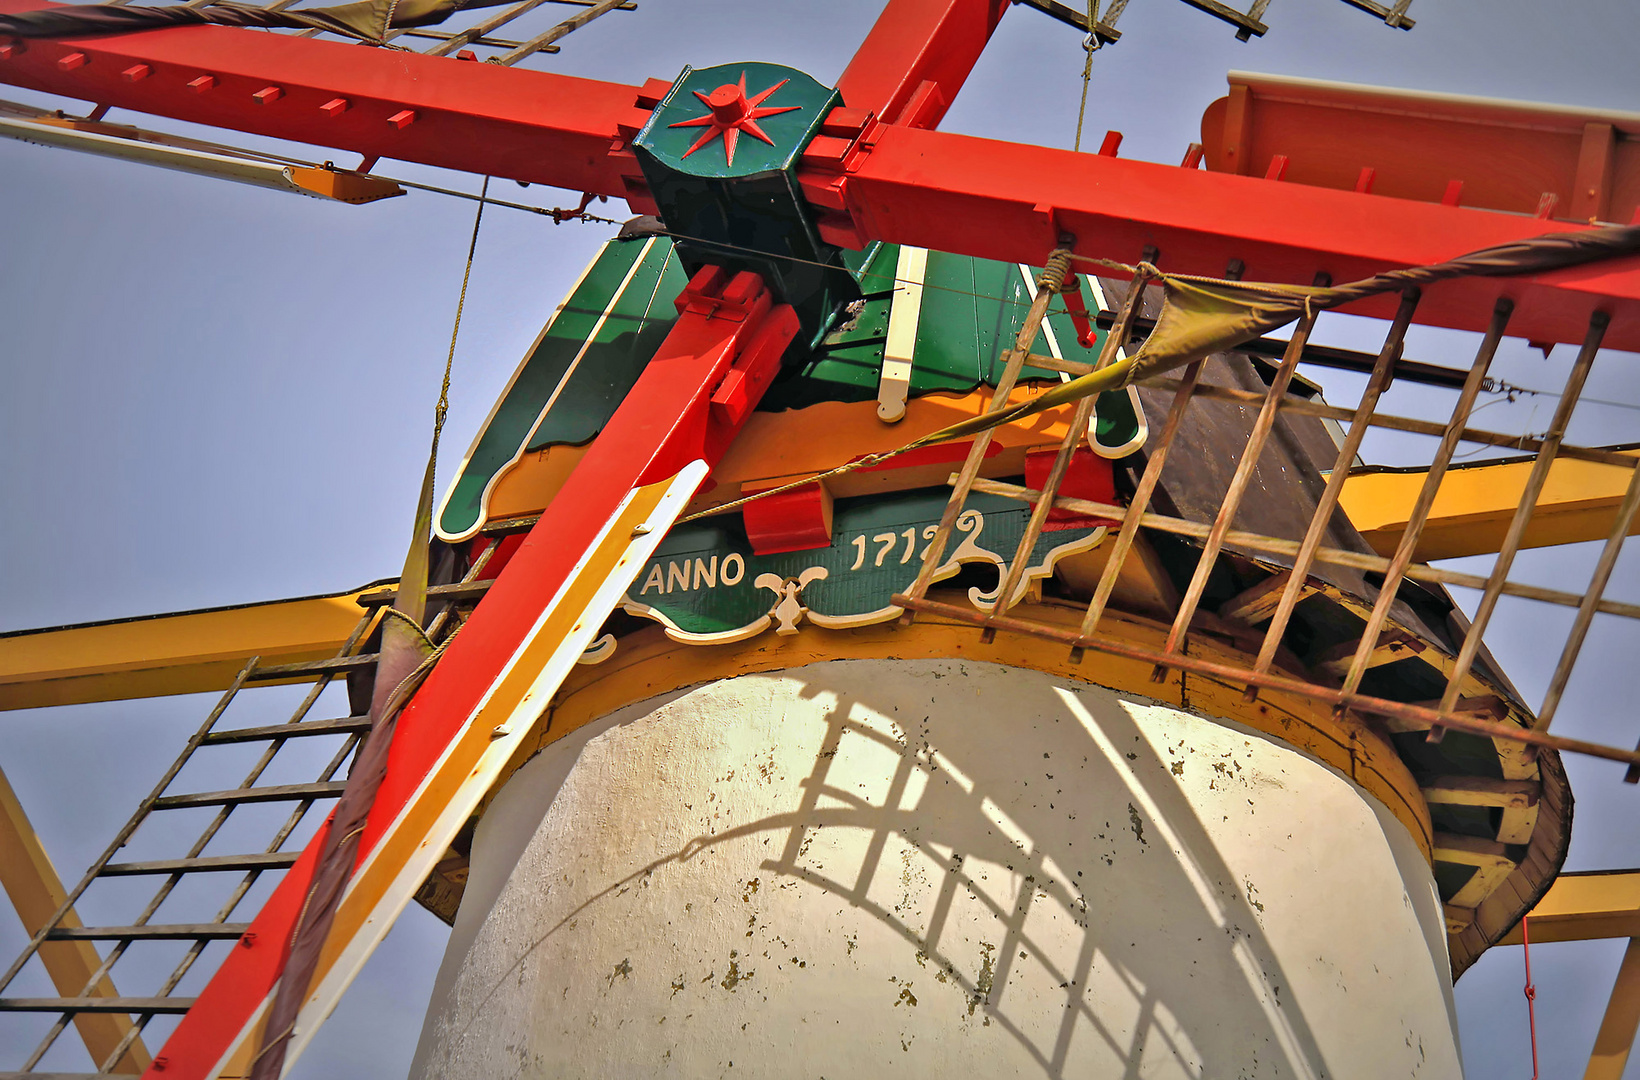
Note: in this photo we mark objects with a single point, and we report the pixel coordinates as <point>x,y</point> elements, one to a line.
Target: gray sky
<point>206,389</point>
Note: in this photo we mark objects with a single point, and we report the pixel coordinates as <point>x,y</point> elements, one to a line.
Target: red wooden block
<point>403,118</point>
<point>268,95</point>
<point>202,84</point>
<point>1089,477</point>
<point>795,520</point>
<point>335,106</point>
<point>72,61</point>
<point>136,72</point>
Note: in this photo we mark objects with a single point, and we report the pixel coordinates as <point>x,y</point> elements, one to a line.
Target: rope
<point>1054,271</point>
<point>443,407</point>
<point>1090,44</point>
<point>393,612</point>
<point>1531,991</point>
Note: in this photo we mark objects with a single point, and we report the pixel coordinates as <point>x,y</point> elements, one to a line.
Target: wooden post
<point>1617,1028</point>
<point>37,893</point>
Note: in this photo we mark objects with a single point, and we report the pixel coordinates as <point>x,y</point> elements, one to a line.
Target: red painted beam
<point>949,192</point>
<point>915,42</point>
<point>511,122</point>
<point>668,421</point>
<point>1000,200</point>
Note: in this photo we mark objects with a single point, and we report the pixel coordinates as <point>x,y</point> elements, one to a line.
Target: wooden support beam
<point>1482,791</point>
<point>1257,604</point>
<point>1582,906</point>
<point>1458,919</point>
<point>1617,1028</point>
<point>1473,508</point>
<point>1416,142</point>
<point>183,653</point>
<point>1392,645</point>
<point>36,892</point>
<point>1489,858</point>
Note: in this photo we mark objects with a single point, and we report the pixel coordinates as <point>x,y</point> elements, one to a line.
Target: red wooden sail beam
<point>917,56</point>
<point>1007,201</point>
<point>483,118</point>
<point>950,192</point>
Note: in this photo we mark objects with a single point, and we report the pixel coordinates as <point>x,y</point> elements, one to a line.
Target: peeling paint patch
<point>1138,825</point>
<point>987,976</point>
<point>734,978</point>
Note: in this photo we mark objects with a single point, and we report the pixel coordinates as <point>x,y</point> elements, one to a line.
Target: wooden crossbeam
<point>184,653</point>
<point>1473,508</point>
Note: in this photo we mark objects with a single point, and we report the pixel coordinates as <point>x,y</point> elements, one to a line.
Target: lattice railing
<point>1337,682</point>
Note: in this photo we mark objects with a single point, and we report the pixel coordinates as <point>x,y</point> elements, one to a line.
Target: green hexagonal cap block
<point>736,120</point>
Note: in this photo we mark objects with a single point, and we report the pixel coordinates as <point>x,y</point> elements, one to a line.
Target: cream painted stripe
<point>1047,327</point>
<point>904,315</point>
<point>563,381</point>
<point>597,328</point>
<point>559,637</point>
<point>1141,432</point>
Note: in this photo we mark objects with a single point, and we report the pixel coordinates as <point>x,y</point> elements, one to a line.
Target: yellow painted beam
<point>1472,510</point>
<point>184,653</point>
<point>1581,906</point>
<point>1622,1019</point>
<point>36,892</point>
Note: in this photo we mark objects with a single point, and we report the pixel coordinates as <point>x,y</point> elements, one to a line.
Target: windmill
<point>758,324</point>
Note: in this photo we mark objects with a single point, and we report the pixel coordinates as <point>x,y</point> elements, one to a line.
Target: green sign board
<point>706,586</point>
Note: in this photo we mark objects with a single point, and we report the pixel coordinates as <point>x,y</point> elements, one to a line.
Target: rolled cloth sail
<point>368,20</point>
<point>1203,316</point>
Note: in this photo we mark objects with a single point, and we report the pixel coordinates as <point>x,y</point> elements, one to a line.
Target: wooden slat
<point>335,665</point>
<point>273,860</point>
<point>1259,603</point>
<point>164,932</point>
<point>235,796</point>
<point>173,1005</point>
<point>1482,791</point>
<point>342,726</point>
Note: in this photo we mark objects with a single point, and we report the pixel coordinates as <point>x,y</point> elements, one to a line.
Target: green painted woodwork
<point>566,389</point>
<point>667,146</point>
<point>583,364</point>
<point>972,310</point>
<point>748,214</point>
<point>705,580</point>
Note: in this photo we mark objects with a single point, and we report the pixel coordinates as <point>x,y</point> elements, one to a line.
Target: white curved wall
<point>931,868</point>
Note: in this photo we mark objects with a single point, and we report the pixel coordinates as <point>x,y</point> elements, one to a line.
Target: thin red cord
<point>1531,991</point>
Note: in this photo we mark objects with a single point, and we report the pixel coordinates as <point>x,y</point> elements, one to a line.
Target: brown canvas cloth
<point>367,20</point>
<point>403,661</point>
<point>1203,316</point>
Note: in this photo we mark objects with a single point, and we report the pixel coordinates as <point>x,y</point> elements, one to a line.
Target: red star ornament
<point>731,112</point>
